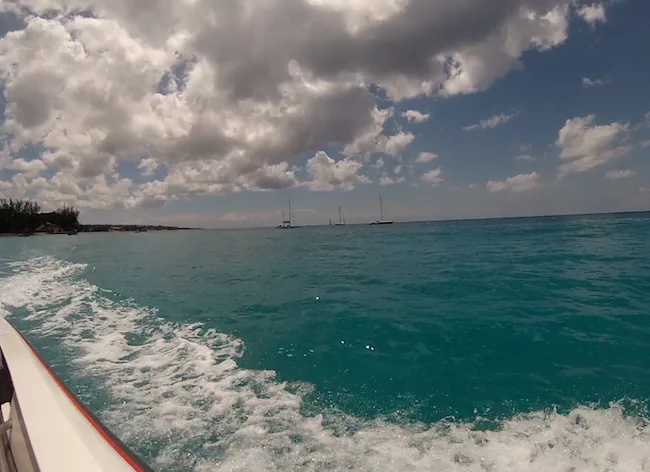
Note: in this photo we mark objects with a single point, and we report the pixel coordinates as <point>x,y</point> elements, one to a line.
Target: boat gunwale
<point>111,439</point>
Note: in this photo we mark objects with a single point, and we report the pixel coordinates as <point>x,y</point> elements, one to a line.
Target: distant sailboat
<point>381,220</point>
<point>287,223</point>
<point>341,219</point>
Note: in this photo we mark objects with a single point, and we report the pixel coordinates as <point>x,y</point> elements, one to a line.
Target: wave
<point>176,394</point>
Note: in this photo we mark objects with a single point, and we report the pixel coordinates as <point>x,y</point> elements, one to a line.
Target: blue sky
<point>597,78</point>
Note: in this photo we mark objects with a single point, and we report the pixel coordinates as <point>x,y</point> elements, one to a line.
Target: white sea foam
<point>178,391</point>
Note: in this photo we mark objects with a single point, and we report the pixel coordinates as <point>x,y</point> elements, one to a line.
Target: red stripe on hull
<point>108,437</point>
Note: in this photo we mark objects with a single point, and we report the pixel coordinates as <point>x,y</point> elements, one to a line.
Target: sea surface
<point>497,345</point>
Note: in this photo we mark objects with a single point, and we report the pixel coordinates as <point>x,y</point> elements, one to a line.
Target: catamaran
<point>286,223</point>
<point>381,221</point>
<point>43,426</point>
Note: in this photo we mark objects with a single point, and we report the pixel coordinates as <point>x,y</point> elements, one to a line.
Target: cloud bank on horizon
<point>116,104</point>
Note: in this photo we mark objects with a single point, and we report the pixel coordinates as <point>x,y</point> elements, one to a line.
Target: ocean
<point>495,345</point>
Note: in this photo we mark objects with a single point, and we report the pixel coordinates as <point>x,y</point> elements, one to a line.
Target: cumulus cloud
<point>395,178</point>
<point>372,139</point>
<point>29,168</point>
<point>619,174</point>
<point>328,174</point>
<point>185,85</point>
<point>101,192</point>
<point>395,145</point>
<point>425,157</point>
<point>587,82</point>
<point>148,166</point>
<point>269,177</point>
<point>414,116</point>
<point>585,145</point>
<point>387,180</point>
<point>516,184</point>
<point>433,177</point>
<point>492,122</point>
<point>593,13</point>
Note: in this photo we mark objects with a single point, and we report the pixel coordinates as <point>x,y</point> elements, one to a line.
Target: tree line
<point>25,216</point>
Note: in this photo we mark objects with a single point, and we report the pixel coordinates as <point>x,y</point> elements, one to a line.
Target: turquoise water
<point>501,345</point>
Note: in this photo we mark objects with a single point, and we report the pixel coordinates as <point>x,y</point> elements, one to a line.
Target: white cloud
<point>148,166</point>
<point>492,122</point>
<point>373,140</point>
<point>269,177</point>
<point>29,168</point>
<point>386,180</point>
<point>433,177</point>
<point>472,185</point>
<point>100,192</point>
<point>525,158</point>
<point>395,145</point>
<point>593,13</point>
<point>414,116</point>
<point>186,86</point>
<point>474,67</point>
<point>425,157</point>
<point>585,145</point>
<point>587,82</point>
<point>152,194</point>
<point>103,194</point>
<point>328,174</point>
<point>619,174</point>
<point>516,184</point>
<point>645,143</point>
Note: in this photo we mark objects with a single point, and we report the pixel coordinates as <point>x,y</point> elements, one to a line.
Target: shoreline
<point>83,229</point>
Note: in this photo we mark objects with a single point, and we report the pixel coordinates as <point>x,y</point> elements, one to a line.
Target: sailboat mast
<point>290,212</point>
<point>381,208</point>
<point>340,217</point>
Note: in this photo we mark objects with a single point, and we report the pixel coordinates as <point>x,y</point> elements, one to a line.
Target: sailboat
<point>287,223</point>
<point>341,219</point>
<point>381,221</point>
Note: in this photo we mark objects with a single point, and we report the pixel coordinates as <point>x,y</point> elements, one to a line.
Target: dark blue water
<point>487,345</point>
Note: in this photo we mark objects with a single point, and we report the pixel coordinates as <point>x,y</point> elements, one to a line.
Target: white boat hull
<point>48,428</point>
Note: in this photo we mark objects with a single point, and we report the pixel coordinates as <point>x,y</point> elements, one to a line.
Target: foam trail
<point>177,395</point>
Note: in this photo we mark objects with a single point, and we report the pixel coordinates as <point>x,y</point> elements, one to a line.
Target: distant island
<point>24,217</point>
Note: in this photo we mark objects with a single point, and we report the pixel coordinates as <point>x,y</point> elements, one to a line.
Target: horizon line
<point>447,220</point>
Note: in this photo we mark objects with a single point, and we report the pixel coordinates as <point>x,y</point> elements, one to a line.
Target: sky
<point>216,113</point>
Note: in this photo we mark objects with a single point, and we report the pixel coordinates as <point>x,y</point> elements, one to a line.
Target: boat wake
<point>175,394</point>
